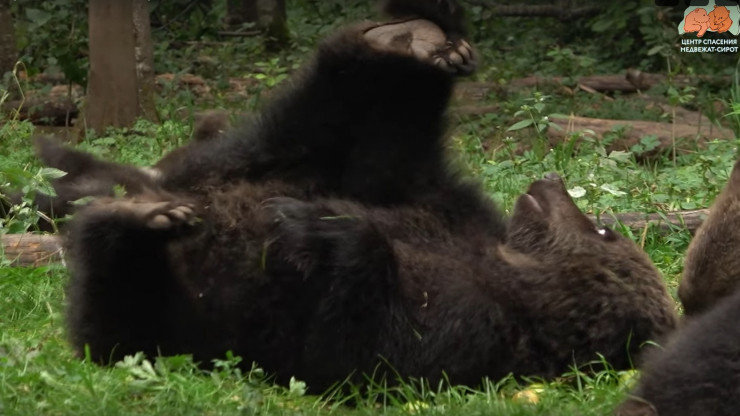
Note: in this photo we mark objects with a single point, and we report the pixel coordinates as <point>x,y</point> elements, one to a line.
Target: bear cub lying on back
<point>328,239</point>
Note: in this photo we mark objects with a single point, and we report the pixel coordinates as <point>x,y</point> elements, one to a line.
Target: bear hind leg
<point>425,41</point>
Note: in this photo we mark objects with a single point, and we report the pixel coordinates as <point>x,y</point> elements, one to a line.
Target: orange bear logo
<point>698,21</point>
<point>719,19</point>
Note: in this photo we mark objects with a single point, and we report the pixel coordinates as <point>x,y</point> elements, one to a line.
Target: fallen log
<point>561,11</point>
<point>666,222</point>
<point>55,107</point>
<point>46,113</point>
<point>632,131</point>
<point>475,110</point>
<point>31,249</point>
<point>631,81</point>
<point>601,83</point>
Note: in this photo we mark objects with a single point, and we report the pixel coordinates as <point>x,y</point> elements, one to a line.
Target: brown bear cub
<point>698,373</point>
<point>328,239</point>
<point>712,266</point>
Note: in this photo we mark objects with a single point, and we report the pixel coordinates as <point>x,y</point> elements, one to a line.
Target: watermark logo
<point>710,16</point>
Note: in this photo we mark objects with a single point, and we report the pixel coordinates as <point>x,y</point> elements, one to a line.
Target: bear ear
<point>635,406</point>
<point>735,175</point>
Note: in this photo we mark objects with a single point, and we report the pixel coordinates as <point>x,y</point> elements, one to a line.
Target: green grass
<point>39,375</point>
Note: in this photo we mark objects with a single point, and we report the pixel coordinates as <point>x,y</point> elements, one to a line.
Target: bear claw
<point>427,42</point>
<point>155,215</point>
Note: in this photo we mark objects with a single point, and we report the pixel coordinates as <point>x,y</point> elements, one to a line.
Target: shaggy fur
<point>698,373</point>
<point>88,176</point>
<point>712,267</point>
<point>328,238</point>
<point>324,289</point>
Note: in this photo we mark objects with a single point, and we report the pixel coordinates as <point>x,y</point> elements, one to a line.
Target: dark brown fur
<point>88,176</point>
<point>209,126</point>
<point>332,239</point>
<point>712,266</point>
<point>698,373</point>
<point>324,289</point>
<point>447,14</point>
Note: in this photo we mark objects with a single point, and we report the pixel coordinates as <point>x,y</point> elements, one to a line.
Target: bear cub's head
<point>600,267</point>
<point>547,224</point>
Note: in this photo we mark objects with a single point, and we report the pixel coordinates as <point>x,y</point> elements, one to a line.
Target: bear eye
<point>607,233</point>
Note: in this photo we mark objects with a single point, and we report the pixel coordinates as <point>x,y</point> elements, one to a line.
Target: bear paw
<point>151,214</point>
<point>427,42</point>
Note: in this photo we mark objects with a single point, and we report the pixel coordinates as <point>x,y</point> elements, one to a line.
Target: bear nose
<point>552,176</point>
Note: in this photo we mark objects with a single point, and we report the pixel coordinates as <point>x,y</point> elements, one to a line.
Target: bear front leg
<point>123,294</point>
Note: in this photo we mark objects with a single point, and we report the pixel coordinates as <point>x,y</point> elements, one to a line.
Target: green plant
<point>734,114</point>
<point>535,115</point>
<point>52,37</point>
<point>567,63</point>
<point>22,215</point>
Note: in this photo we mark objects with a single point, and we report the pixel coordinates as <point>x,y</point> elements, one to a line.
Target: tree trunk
<point>239,12</point>
<point>8,51</point>
<point>273,19</point>
<point>144,55</point>
<point>120,86</point>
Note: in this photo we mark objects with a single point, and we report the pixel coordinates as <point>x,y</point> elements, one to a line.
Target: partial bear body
<point>324,289</point>
<point>698,373</point>
<point>89,176</point>
<point>712,265</point>
<point>329,237</point>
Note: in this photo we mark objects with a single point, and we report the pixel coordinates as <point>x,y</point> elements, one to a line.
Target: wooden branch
<point>43,110</point>
<point>633,130</point>
<point>601,83</point>
<point>475,110</point>
<point>690,220</point>
<point>629,82</point>
<point>214,43</point>
<point>240,34</point>
<point>559,11</point>
<point>31,249</point>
